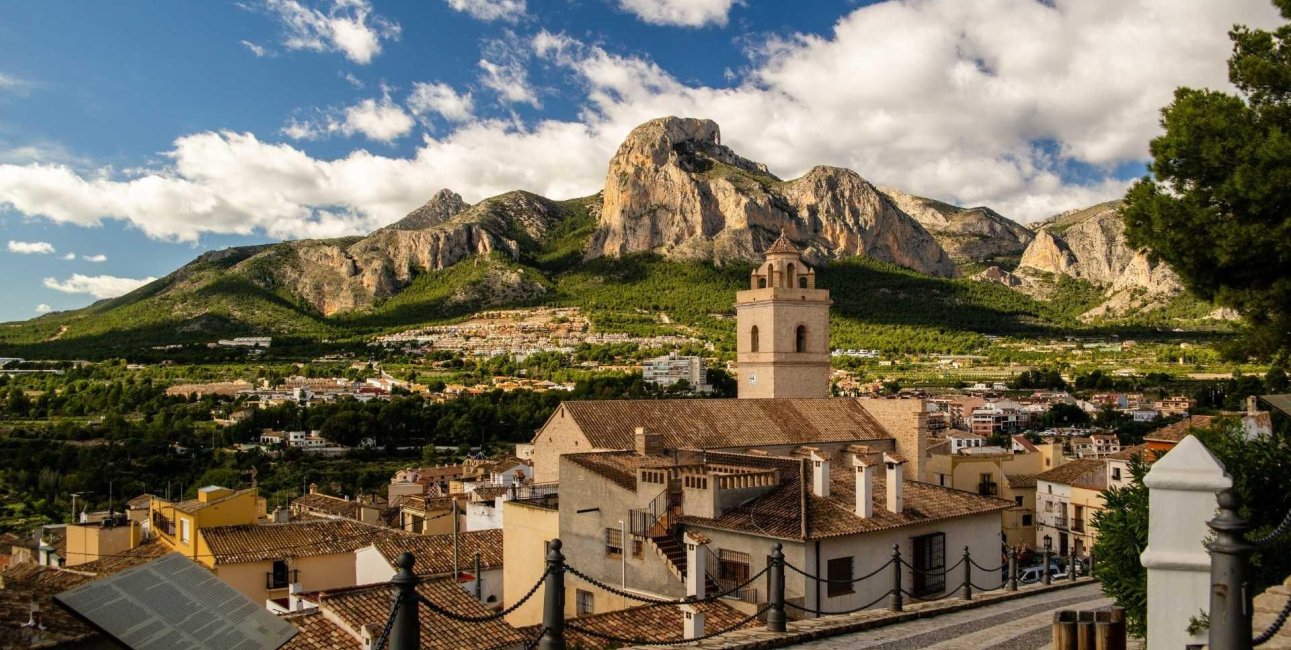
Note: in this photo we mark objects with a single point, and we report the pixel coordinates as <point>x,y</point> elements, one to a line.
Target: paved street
<point>1017,625</point>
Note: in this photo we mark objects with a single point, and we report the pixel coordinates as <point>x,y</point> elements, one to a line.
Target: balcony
<point>281,579</point>
<point>988,489</point>
<point>1055,521</point>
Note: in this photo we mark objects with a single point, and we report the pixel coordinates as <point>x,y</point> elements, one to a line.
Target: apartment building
<point>671,368</point>
<point>1066,499</point>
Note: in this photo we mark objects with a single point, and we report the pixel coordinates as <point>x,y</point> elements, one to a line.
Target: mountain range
<point>672,192</point>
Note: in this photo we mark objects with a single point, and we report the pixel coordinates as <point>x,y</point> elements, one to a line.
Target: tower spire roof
<point>782,245</point>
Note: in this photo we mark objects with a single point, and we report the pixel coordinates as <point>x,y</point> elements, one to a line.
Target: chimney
<point>864,487</point>
<point>692,621</point>
<point>281,515</point>
<point>294,603</point>
<point>313,488</point>
<point>648,443</point>
<point>1252,405</point>
<point>896,482</point>
<point>35,620</point>
<point>819,474</point>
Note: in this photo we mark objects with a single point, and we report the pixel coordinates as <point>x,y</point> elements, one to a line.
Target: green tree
<point>1214,206</point>
<point>1122,536</point>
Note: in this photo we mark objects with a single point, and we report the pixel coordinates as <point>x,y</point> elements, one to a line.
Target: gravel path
<point>1016,625</point>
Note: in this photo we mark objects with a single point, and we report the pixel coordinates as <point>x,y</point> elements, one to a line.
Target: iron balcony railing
<point>988,488</point>
<point>281,579</point>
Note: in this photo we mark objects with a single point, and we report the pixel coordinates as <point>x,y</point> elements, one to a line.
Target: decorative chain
<point>533,643</point>
<point>935,572</point>
<point>465,618</point>
<point>385,633</point>
<point>818,612</point>
<point>616,639</point>
<point>1277,625</point>
<point>982,568</point>
<point>984,589</point>
<point>839,582</point>
<point>948,594</point>
<point>1281,530</point>
<point>658,601</point>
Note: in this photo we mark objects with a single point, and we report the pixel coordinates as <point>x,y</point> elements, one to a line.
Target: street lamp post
<point>1048,550</point>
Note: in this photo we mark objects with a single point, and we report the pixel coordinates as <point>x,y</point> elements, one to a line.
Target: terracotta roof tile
<point>318,633</point>
<point>259,542</point>
<point>358,606</point>
<point>649,623</point>
<point>1137,450</point>
<point>434,553</point>
<point>193,505</point>
<point>782,245</point>
<point>718,423</point>
<point>1026,445</point>
<point>1018,481</point>
<point>1084,472</point>
<point>1179,430</point>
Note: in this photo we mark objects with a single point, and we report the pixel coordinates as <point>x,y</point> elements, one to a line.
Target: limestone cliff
<point>1089,244</point>
<point>342,275</point>
<point>967,234</point>
<point>673,188</point>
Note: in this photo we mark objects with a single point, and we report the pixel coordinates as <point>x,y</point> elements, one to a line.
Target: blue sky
<point>135,135</point>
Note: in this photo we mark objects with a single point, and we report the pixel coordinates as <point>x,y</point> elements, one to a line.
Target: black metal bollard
<point>967,592</point>
<point>1045,570</point>
<point>405,634</point>
<point>776,619</point>
<point>1013,569</point>
<point>1091,563</point>
<point>553,611</point>
<point>895,601</point>
<point>1071,566</point>
<point>1230,596</point>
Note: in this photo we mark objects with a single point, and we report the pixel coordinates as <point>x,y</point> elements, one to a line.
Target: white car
<point>1033,574</point>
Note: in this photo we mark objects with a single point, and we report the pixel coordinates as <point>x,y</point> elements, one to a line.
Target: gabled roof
<point>260,542</point>
<point>434,553</point>
<point>1179,430</point>
<point>1084,472</point>
<point>318,633</point>
<point>1025,444</point>
<point>355,607</point>
<point>336,506</point>
<point>723,423</point>
<point>782,245</point>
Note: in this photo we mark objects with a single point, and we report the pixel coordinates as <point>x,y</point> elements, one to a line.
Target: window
<point>800,343</point>
<point>753,339</point>
<point>638,548</point>
<point>929,564</point>
<point>1026,520</point>
<point>1018,500</point>
<point>279,576</point>
<point>840,576</point>
<point>585,602</point>
<point>733,566</point>
<point>941,479</point>
<point>802,282</point>
<point>1116,473</point>
<point>185,533</point>
<point>613,542</point>
<point>788,276</point>
<point>762,283</point>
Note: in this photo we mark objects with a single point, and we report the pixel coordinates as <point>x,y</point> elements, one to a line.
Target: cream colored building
<point>1005,474</point>
<point>782,335</point>
<point>1067,498</point>
<point>89,542</point>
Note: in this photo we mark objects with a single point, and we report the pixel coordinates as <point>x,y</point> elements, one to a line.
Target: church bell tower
<point>782,342</point>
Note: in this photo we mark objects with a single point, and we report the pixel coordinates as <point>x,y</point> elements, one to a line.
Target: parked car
<point>1033,574</point>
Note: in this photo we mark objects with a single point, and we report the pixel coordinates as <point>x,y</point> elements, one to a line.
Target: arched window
<point>788,276</point>
<point>762,283</point>
<point>753,339</point>
<point>802,282</point>
<point>800,343</point>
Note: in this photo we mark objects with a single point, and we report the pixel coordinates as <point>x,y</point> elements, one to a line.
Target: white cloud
<point>941,98</point>
<point>258,50</point>
<point>95,258</point>
<point>42,308</point>
<point>99,286</point>
<point>684,13</point>
<point>30,247</point>
<point>352,80</point>
<point>503,63</point>
<point>441,99</point>
<point>376,119</point>
<point>14,85</point>
<point>348,26</point>
<point>488,10</point>
<point>69,257</point>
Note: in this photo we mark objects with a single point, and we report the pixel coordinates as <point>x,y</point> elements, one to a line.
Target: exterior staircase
<point>674,553</point>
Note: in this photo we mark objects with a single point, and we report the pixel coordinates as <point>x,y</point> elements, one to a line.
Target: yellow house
<point>178,524</point>
<point>1006,474</point>
<point>89,542</point>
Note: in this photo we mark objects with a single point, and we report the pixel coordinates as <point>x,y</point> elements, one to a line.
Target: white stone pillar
<point>696,556</point>
<point>1181,499</point>
<point>693,620</point>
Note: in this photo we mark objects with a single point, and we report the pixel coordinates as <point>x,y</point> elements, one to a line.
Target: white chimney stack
<point>694,622</point>
<point>896,482</point>
<point>864,487</point>
<point>819,475</point>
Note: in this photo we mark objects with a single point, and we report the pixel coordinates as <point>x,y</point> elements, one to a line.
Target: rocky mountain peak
<point>441,207</point>
<point>674,189</point>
